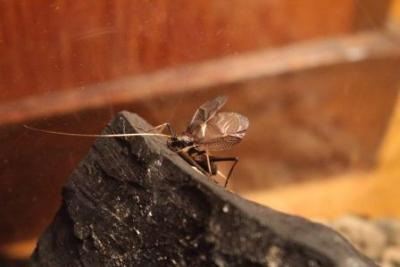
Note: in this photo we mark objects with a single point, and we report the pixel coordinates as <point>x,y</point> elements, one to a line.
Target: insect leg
<point>208,162</point>
<point>189,159</point>
<point>235,160</point>
<point>185,149</point>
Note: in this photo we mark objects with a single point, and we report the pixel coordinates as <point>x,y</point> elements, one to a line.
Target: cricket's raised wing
<point>203,114</point>
<point>223,131</point>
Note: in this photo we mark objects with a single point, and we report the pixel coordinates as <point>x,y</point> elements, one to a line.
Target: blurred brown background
<point>317,79</point>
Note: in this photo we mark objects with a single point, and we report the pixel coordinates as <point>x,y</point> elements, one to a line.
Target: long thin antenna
<point>95,135</point>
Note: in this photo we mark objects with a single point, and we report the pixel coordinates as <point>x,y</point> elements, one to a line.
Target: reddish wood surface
<point>371,14</point>
<point>47,46</point>
<point>314,109</point>
<point>307,120</point>
<point>267,63</point>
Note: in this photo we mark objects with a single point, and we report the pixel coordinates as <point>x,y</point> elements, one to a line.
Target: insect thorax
<point>180,142</point>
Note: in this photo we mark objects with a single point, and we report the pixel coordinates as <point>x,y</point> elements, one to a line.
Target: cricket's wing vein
<point>203,114</point>
<point>224,130</point>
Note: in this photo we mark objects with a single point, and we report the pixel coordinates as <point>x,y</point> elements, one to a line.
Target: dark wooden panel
<point>371,14</point>
<point>47,46</point>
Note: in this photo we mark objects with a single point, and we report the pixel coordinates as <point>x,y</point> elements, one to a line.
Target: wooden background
<point>318,81</point>
<point>47,46</point>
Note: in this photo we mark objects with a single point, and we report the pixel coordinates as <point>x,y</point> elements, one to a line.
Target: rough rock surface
<point>133,202</point>
<point>379,239</point>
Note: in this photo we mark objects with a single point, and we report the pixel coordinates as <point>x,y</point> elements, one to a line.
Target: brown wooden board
<point>319,111</point>
<point>50,46</point>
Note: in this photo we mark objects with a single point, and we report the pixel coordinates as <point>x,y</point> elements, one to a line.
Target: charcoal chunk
<point>133,202</point>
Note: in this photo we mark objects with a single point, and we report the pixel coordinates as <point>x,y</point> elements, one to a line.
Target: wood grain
<point>315,110</point>
<point>72,66</point>
<point>371,14</point>
<point>44,50</point>
<point>267,63</point>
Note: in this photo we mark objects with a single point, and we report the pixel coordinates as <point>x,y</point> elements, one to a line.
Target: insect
<point>208,131</point>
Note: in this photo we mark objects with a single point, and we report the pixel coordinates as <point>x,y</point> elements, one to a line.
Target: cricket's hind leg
<point>193,162</point>
<point>235,160</point>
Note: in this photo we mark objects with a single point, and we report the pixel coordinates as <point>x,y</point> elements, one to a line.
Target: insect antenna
<point>95,135</point>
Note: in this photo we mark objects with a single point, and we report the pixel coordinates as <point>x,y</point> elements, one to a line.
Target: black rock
<point>134,202</point>
<point>4,262</point>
